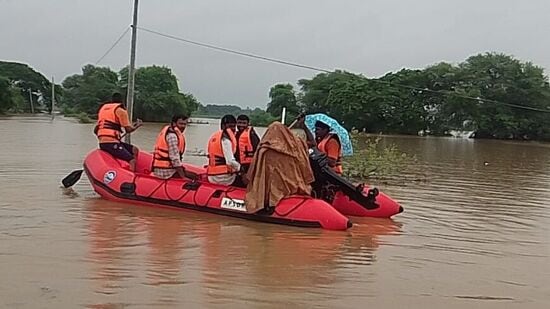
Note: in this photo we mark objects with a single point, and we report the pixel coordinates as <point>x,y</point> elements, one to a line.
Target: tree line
<point>157,94</point>
<point>19,84</point>
<point>484,94</point>
<point>258,116</point>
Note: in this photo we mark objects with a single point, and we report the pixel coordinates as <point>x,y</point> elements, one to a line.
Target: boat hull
<point>387,207</point>
<point>111,179</point>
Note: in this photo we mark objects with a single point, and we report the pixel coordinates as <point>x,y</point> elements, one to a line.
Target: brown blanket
<point>280,168</point>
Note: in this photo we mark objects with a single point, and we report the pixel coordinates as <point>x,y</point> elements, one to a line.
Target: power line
<point>113,46</point>
<point>236,52</point>
<point>284,62</point>
<point>450,93</point>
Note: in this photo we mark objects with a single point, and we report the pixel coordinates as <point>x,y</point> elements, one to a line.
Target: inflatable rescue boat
<point>112,179</point>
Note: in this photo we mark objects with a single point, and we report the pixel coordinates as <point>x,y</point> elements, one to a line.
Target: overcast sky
<point>373,37</point>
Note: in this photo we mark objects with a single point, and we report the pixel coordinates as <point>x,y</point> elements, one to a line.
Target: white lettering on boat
<point>233,204</point>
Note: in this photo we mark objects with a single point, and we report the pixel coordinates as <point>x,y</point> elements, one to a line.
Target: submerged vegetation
<point>373,159</point>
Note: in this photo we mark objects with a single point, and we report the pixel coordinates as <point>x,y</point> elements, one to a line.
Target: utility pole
<point>30,99</point>
<point>53,97</point>
<point>130,96</point>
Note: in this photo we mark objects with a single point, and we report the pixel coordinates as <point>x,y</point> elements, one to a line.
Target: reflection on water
<point>229,260</point>
<point>476,232</point>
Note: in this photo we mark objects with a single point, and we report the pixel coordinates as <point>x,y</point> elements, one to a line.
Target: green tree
<point>157,95</point>
<point>439,98</point>
<point>261,118</point>
<point>353,101</point>
<point>215,110</point>
<point>404,109</point>
<point>318,90</point>
<point>502,78</point>
<point>282,95</point>
<point>10,97</point>
<point>6,99</point>
<point>5,95</point>
<point>85,92</point>
<point>22,78</point>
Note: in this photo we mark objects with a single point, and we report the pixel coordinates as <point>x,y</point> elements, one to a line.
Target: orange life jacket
<point>161,158</point>
<point>216,159</point>
<point>108,124</point>
<point>246,149</point>
<point>322,147</point>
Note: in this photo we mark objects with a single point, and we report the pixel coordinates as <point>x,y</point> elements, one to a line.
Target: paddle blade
<point>72,178</point>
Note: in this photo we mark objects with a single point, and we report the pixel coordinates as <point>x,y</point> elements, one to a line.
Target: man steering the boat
<point>169,150</point>
<point>111,118</point>
<point>222,166</point>
<point>328,143</point>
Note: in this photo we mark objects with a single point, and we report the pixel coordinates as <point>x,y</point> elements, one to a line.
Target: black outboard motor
<point>324,174</point>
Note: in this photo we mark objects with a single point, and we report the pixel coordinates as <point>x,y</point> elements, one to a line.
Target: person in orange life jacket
<point>222,166</point>
<point>247,142</point>
<point>327,142</point>
<point>169,149</point>
<point>112,118</point>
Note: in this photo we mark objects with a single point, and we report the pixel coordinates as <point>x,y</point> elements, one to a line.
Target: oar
<point>72,178</point>
<point>75,175</point>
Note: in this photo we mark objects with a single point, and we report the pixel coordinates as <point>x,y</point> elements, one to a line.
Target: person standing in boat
<point>327,142</point>
<point>222,166</point>
<point>111,119</point>
<point>247,142</point>
<point>169,149</point>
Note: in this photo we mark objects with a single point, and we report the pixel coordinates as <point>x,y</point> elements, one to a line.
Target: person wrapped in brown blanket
<point>280,168</point>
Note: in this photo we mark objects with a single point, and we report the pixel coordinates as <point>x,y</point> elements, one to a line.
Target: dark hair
<point>243,117</point>
<point>227,119</point>
<point>177,117</point>
<point>322,125</point>
<point>116,97</point>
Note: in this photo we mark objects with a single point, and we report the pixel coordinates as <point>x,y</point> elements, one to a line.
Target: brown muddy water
<point>473,235</point>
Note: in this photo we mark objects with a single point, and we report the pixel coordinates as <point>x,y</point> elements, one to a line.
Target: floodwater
<point>473,235</point>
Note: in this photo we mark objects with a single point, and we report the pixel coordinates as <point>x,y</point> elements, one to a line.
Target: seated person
<point>111,118</point>
<point>327,142</point>
<point>222,166</point>
<point>247,142</point>
<point>169,149</point>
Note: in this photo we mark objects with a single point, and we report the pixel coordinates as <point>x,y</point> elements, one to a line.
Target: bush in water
<point>372,159</point>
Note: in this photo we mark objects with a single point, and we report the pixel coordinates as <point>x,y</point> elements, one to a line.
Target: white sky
<point>373,37</point>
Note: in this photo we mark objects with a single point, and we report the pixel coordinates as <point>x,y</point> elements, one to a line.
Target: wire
<point>246,54</point>
<point>303,66</point>
<point>479,99</point>
<point>113,46</point>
